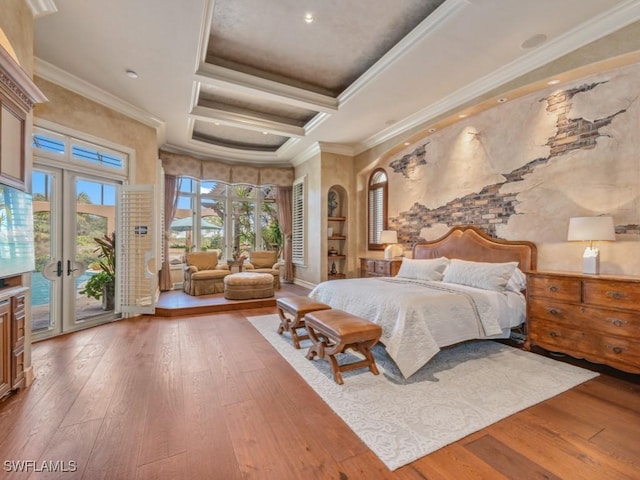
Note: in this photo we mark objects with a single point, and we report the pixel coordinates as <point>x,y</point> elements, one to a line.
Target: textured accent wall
<point>522,169</point>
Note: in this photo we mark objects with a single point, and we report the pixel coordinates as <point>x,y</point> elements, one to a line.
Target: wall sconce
<point>591,229</point>
<point>390,239</point>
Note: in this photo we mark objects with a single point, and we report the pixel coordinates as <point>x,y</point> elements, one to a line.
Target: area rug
<point>460,391</point>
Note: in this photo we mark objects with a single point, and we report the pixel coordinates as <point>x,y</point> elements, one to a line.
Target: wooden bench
<point>334,331</point>
<point>297,307</point>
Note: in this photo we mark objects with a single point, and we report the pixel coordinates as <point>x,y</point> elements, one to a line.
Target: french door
<point>70,209</point>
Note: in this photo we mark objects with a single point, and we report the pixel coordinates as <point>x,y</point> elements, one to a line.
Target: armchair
<point>265,262</point>
<point>203,275</point>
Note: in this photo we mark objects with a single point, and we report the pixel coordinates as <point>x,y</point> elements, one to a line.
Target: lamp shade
<point>591,228</point>
<point>388,236</point>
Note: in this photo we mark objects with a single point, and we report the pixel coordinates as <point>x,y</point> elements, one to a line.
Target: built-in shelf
<point>338,237</point>
<point>337,276</point>
<point>337,257</point>
<point>337,219</point>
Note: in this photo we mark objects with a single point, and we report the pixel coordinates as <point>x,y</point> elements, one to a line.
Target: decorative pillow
<point>423,269</point>
<point>517,282</point>
<point>489,276</point>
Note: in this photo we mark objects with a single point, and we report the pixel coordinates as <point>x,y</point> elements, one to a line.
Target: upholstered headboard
<point>471,243</point>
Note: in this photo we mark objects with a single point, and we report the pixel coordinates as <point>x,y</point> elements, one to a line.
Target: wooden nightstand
<point>378,267</point>
<point>595,317</point>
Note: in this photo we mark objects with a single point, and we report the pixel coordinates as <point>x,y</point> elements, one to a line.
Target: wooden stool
<point>298,307</point>
<point>333,331</point>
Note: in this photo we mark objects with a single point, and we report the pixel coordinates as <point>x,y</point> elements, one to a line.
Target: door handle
<point>69,269</point>
<point>59,268</point>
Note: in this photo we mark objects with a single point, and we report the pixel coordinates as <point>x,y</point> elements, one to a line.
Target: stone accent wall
<point>489,207</point>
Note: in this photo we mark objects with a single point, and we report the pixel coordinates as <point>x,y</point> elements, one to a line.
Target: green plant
<point>103,282</point>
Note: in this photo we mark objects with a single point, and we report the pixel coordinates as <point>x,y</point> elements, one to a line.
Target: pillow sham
<point>517,282</point>
<point>488,276</point>
<point>423,269</point>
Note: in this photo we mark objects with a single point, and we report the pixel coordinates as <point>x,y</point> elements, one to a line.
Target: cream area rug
<point>460,391</point>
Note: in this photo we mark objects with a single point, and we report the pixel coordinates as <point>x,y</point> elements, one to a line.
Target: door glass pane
<point>271,236</point>
<point>93,271</point>
<point>243,219</point>
<point>41,287</point>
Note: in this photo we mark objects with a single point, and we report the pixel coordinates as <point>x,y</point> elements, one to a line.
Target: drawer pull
<point>554,288</point>
<point>554,311</point>
<point>554,334</point>
<point>617,322</point>
<point>615,295</point>
<point>617,349</point>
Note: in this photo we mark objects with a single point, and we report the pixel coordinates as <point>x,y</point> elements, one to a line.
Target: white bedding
<point>419,317</point>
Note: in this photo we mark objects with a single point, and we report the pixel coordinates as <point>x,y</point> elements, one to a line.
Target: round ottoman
<point>247,285</point>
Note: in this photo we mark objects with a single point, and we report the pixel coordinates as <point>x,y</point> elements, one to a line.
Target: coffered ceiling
<point>267,81</point>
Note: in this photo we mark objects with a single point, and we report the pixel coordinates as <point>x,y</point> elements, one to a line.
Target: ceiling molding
<point>58,76</point>
<point>443,13</point>
<point>216,75</point>
<point>205,32</point>
<point>248,122</point>
<point>208,157</point>
<point>604,24</point>
<point>307,154</point>
<point>337,148</point>
<point>40,8</point>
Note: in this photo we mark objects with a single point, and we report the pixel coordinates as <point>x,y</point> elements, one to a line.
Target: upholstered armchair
<point>264,262</point>
<point>203,275</point>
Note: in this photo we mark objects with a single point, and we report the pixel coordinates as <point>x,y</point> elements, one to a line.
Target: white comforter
<point>418,317</point>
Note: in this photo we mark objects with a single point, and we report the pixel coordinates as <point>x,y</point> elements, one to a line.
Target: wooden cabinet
<point>377,267</point>
<point>337,247</point>
<point>12,325</point>
<point>594,317</point>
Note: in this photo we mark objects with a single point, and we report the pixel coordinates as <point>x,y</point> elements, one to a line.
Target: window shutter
<point>297,234</point>
<point>137,283</point>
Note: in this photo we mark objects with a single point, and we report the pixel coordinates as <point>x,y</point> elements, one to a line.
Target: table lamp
<point>390,239</point>
<point>591,229</point>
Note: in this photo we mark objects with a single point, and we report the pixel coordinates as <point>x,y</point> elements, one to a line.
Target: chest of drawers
<point>593,317</point>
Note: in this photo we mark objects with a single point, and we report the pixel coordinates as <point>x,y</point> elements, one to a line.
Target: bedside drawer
<point>612,294</point>
<point>558,288</point>
<point>382,268</point>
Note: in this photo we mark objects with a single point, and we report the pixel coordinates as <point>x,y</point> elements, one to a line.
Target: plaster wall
<point>74,111</point>
<point>16,21</point>
<point>523,168</point>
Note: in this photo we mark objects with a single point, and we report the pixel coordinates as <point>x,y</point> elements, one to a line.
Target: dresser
<point>378,267</point>
<point>595,317</point>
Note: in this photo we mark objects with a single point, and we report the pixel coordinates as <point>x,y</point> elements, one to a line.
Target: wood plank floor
<point>206,397</point>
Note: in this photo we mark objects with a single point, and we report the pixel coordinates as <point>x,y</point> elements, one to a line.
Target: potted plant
<point>101,286</point>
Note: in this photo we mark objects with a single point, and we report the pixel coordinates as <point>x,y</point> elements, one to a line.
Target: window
<point>377,199</point>
<point>297,230</point>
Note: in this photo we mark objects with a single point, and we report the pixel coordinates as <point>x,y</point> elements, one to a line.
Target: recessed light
<point>265,133</point>
<point>431,130</point>
<point>308,18</point>
<point>131,73</point>
<point>534,41</point>
<point>502,100</point>
<point>462,115</point>
<point>555,81</point>
<point>406,144</point>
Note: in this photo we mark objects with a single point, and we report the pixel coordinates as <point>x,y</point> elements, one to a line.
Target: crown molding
<point>40,8</point>
<point>337,148</point>
<point>433,21</point>
<point>58,76</point>
<point>596,28</point>
<point>216,75</point>
<point>306,155</point>
<point>247,122</point>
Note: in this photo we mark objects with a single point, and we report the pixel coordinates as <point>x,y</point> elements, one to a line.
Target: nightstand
<point>595,317</point>
<point>379,267</point>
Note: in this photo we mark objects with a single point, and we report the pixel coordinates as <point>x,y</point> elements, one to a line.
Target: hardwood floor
<point>206,397</point>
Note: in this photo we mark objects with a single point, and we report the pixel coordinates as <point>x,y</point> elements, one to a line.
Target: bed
<point>463,286</point>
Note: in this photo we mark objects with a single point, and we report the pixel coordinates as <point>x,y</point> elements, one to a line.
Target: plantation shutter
<point>137,279</point>
<point>297,233</point>
<point>376,218</point>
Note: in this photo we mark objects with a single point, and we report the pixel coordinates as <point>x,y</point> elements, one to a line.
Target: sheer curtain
<point>171,186</point>
<point>283,200</point>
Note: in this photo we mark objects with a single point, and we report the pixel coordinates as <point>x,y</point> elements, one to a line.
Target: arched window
<point>377,193</point>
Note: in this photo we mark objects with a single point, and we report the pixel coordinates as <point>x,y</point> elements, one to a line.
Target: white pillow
<point>517,282</point>
<point>423,269</point>
<point>489,276</point>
